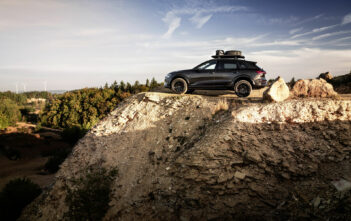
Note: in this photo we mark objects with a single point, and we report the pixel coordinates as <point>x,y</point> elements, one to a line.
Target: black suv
<point>227,70</point>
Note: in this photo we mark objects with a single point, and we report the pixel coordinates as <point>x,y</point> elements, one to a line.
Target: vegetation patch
<point>15,196</point>
<point>84,108</point>
<point>88,197</point>
<point>9,113</point>
<point>56,158</point>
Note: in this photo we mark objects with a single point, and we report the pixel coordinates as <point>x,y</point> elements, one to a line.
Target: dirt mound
<point>194,158</point>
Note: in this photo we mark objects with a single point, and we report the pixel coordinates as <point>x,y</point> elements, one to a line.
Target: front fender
<point>181,76</point>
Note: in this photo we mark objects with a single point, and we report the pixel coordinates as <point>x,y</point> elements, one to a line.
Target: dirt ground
<point>30,146</point>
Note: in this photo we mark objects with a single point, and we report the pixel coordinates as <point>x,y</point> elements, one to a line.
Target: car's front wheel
<point>179,86</point>
<point>242,88</point>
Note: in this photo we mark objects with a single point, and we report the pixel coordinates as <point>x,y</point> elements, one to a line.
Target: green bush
<point>56,158</point>
<point>9,113</point>
<point>15,196</point>
<point>85,107</point>
<point>89,196</point>
<point>73,134</point>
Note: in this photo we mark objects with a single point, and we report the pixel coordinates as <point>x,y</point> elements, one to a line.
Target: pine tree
<point>122,86</point>
<point>153,83</point>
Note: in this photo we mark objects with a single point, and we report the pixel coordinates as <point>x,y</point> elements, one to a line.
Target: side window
<point>252,66</point>
<point>227,65</point>
<point>207,66</point>
<point>242,65</point>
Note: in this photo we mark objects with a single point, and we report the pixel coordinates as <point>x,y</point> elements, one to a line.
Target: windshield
<point>208,65</point>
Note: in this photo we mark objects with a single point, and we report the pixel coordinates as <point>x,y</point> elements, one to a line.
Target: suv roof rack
<point>228,54</point>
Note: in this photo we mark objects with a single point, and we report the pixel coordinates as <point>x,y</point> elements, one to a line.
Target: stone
<point>277,92</point>
<point>316,201</point>
<point>326,76</point>
<point>253,156</point>
<point>342,185</point>
<point>239,175</point>
<point>313,88</point>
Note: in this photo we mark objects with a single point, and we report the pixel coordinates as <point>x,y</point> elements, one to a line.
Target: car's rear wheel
<point>179,86</point>
<point>242,88</point>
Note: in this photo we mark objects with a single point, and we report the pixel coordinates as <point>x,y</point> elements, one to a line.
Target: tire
<point>242,88</point>
<point>190,91</point>
<point>179,86</point>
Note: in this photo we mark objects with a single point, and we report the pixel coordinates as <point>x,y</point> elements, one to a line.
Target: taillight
<point>263,73</point>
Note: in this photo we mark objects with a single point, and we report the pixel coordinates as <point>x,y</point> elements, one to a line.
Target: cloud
<point>295,30</point>
<point>302,62</point>
<point>329,35</point>
<point>346,19</point>
<point>316,30</point>
<point>199,16</point>
<point>200,20</point>
<point>173,23</point>
<point>279,21</point>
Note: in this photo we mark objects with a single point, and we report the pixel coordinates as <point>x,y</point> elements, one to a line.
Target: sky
<point>71,44</point>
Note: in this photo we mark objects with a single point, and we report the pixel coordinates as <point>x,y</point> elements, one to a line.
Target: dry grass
<point>222,105</point>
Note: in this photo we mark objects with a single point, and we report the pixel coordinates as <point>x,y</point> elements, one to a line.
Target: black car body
<point>220,73</point>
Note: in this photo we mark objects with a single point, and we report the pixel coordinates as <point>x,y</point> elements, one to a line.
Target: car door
<point>202,76</point>
<point>225,73</point>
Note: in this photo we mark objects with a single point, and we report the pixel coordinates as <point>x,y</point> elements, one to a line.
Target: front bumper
<point>167,83</point>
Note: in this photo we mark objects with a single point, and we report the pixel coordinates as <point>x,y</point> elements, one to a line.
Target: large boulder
<point>326,76</point>
<point>277,92</point>
<point>313,88</point>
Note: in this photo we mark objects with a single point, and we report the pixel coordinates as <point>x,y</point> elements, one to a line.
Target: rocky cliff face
<point>196,158</point>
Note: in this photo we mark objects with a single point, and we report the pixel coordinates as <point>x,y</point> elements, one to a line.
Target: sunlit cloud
<point>346,19</point>
<point>327,35</point>
<point>199,16</point>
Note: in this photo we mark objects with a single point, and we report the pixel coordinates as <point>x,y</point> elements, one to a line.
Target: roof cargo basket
<point>228,54</point>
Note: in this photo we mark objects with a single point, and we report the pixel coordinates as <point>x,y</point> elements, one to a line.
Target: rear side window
<point>249,65</point>
<point>227,65</point>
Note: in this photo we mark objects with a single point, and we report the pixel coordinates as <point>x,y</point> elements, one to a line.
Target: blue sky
<point>70,44</point>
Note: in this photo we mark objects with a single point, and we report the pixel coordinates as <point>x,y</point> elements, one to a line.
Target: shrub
<point>9,113</point>
<point>56,158</point>
<point>89,196</point>
<point>73,134</point>
<point>15,196</point>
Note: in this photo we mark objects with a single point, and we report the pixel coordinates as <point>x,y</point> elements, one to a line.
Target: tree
<point>122,86</point>
<point>153,83</point>
<point>147,84</point>
<point>9,113</point>
<point>292,82</point>
<point>114,86</point>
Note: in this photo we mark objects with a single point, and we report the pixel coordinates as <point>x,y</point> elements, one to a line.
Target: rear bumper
<point>260,83</point>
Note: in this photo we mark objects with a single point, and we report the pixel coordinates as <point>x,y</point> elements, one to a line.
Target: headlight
<point>168,75</point>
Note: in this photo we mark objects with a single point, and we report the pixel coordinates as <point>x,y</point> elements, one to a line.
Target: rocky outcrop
<point>313,88</point>
<point>326,76</point>
<point>277,92</point>
<point>296,111</point>
<point>196,158</point>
